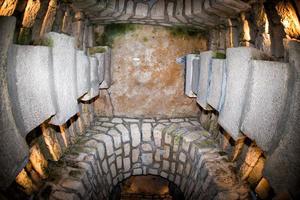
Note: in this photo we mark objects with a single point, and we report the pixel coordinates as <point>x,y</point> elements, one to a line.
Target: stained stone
<point>264,128</point>
<point>32,103</point>
<point>157,134</point>
<point>135,135</point>
<point>217,85</point>
<point>12,159</point>
<point>189,75</point>
<point>158,10</point>
<point>238,71</point>
<point>101,66</point>
<point>146,131</point>
<point>204,79</point>
<point>83,69</point>
<point>135,155</point>
<point>116,137</point>
<point>146,147</point>
<point>107,68</point>
<point>93,79</point>
<point>64,77</point>
<point>147,158</point>
<point>124,132</point>
<point>141,10</point>
<point>126,162</point>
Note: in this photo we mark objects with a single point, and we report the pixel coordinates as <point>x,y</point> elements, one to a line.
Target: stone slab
<point>101,68</point>
<point>217,84</point>
<point>283,164</point>
<point>30,86</point>
<point>107,65</point>
<point>195,76</point>
<point>64,77</point>
<point>266,102</point>
<point>204,79</point>
<point>12,159</point>
<point>83,73</point>
<point>94,80</point>
<point>189,74</point>
<point>238,69</point>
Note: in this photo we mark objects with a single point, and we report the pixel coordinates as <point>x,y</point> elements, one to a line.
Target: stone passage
<point>114,149</point>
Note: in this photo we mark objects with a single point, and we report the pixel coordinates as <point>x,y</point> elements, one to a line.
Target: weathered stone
<point>146,131</point>
<point>141,10</point>
<point>107,65</point>
<point>264,129</point>
<point>101,66</point>
<point>146,147</point>
<point>204,79</point>
<point>93,79</point>
<point>135,155</point>
<point>32,103</point>
<point>158,10</point>
<point>217,85</point>
<point>82,69</point>
<point>191,74</point>
<point>64,77</point>
<point>135,135</point>
<point>13,159</point>
<point>147,158</point>
<point>124,132</point>
<point>238,70</point>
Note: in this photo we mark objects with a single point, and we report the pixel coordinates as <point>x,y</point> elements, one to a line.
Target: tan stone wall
<point>147,81</point>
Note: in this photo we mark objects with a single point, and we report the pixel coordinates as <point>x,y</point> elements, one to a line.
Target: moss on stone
<point>111,31</point>
<point>145,39</point>
<point>75,174</point>
<point>219,55</point>
<point>24,37</point>
<point>186,31</point>
<point>99,49</point>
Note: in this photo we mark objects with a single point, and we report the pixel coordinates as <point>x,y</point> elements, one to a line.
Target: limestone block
<point>107,65</point>
<point>217,84</point>
<point>189,74</point>
<point>64,77</point>
<point>101,66</point>
<point>94,80</point>
<point>32,98</point>
<point>195,76</point>
<point>266,100</point>
<point>83,69</point>
<point>204,79</point>
<point>283,165</point>
<point>238,69</point>
<point>12,159</point>
<point>158,10</point>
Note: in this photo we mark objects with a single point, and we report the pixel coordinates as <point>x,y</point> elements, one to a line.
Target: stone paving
<point>114,149</point>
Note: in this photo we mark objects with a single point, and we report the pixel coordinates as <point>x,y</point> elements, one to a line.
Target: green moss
<point>186,31</point>
<point>111,31</point>
<point>75,174</point>
<point>94,50</point>
<point>219,55</point>
<point>24,37</point>
<point>145,39</point>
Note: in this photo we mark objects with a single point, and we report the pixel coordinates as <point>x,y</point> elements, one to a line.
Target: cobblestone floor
<point>114,149</point>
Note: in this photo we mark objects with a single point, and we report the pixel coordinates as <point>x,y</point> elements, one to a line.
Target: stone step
<point>82,68</point>
<point>64,77</point>
<point>30,88</point>
<point>238,74</point>
<point>93,80</point>
<point>217,84</point>
<point>267,92</point>
<point>204,79</point>
<point>191,69</point>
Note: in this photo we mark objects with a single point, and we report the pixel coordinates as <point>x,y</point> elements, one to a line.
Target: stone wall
<point>147,81</point>
<point>114,149</point>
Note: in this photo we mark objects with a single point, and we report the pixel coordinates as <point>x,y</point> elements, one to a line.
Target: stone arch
<point>112,150</point>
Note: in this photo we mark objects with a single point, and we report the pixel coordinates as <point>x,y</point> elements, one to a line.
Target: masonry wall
<point>147,81</point>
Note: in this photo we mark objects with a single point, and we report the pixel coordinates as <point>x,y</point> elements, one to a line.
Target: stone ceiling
<point>197,13</point>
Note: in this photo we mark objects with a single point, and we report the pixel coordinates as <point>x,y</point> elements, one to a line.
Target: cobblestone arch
<point>114,149</point>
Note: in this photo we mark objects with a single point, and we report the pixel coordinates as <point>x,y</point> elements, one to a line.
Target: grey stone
<point>195,75</point>
<point>12,159</point>
<point>83,69</point>
<point>267,92</point>
<point>101,66</point>
<point>217,85</point>
<point>147,158</point>
<point>94,80</point>
<point>189,74</point>
<point>64,77</point>
<point>135,135</point>
<point>158,10</point>
<point>146,131</point>
<point>141,10</point>
<point>32,97</point>
<point>204,79</point>
<point>283,165</point>
<point>107,65</point>
<point>238,67</point>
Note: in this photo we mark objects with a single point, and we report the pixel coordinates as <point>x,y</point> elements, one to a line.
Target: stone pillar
<point>78,29</point>
<point>13,148</point>
<point>49,18</point>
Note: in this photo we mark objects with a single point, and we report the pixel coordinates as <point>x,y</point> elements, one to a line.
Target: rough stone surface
<point>143,77</point>
<point>32,103</point>
<point>206,174</point>
<point>107,69</point>
<point>238,67</point>
<point>82,69</point>
<point>101,64</point>
<point>12,159</point>
<point>217,85</point>
<point>93,79</point>
<point>282,167</point>
<point>265,128</point>
<point>64,77</point>
<point>204,79</point>
<point>191,74</point>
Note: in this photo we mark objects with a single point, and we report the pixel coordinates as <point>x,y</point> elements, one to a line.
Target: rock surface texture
<point>114,149</point>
